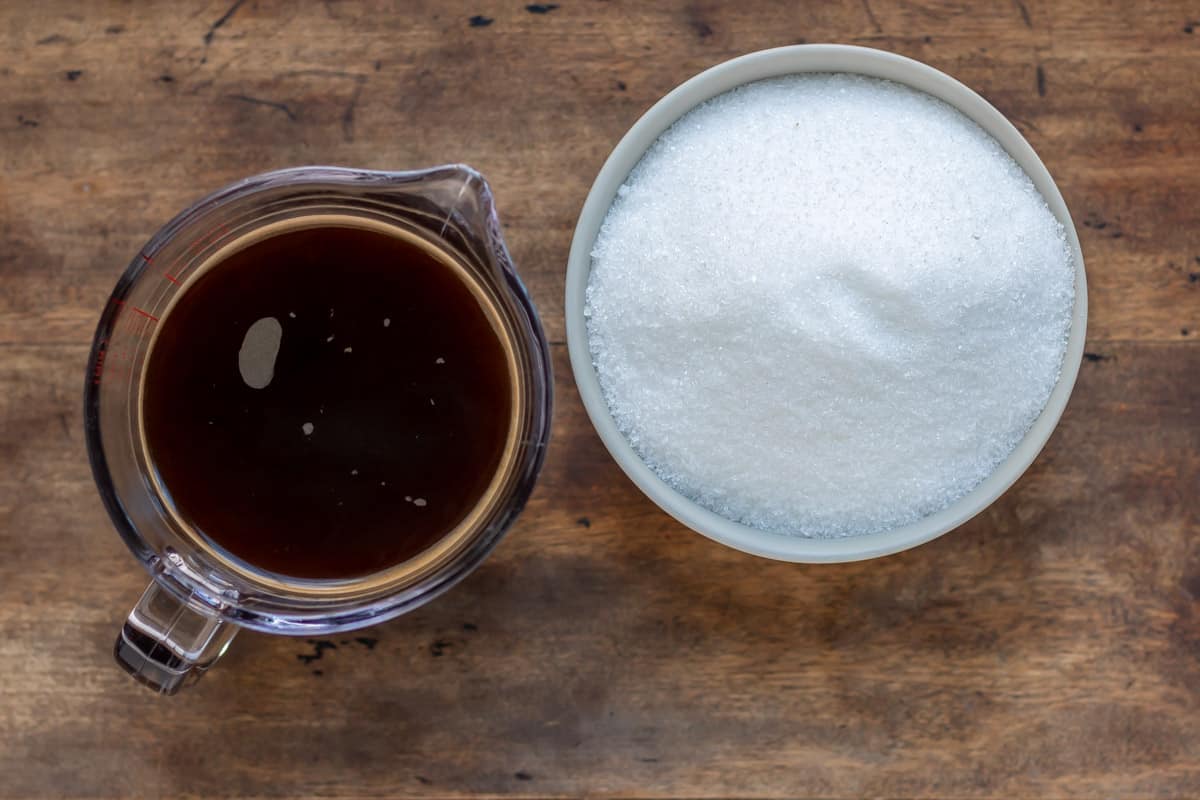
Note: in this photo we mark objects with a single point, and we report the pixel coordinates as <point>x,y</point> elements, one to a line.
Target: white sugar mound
<point>827,305</point>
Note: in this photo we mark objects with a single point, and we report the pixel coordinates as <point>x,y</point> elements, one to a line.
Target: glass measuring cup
<point>199,596</point>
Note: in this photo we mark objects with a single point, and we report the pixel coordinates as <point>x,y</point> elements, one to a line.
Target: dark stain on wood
<point>1041,81</point>
<point>319,646</point>
<point>583,522</point>
<point>368,642</point>
<point>1096,357</point>
<point>541,8</point>
<point>480,21</point>
<point>701,28</point>
<point>73,74</point>
<point>1098,223</point>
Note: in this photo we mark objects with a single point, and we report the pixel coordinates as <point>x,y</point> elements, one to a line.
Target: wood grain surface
<point>1049,648</point>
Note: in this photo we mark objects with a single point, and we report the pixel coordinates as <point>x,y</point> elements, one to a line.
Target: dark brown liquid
<point>347,462</point>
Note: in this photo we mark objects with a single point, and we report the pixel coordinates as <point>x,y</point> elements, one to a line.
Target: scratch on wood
<point>212,29</point>
<point>328,73</point>
<point>351,106</point>
<point>1041,81</point>
<point>1023,124</point>
<point>348,115</point>
<point>242,98</point>
<point>866,4</point>
<point>1024,13</point>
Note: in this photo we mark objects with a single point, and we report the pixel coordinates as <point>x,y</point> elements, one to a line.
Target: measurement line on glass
<point>166,273</point>
<point>192,250</point>
<point>146,314</point>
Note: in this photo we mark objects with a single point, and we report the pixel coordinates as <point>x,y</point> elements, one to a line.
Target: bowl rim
<point>716,80</point>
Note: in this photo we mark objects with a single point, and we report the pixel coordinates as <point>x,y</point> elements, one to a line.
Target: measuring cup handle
<point>167,644</point>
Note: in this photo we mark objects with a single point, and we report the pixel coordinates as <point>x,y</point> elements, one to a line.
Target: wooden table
<point>1050,647</point>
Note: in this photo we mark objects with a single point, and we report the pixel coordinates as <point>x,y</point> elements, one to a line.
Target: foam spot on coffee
<point>260,348</point>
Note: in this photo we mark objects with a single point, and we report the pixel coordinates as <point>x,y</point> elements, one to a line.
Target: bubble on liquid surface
<point>260,347</point>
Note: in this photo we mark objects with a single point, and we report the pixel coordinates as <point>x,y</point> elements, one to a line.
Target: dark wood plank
<point>1051,647</point>
<point>535,102</point>
<point>1047,648</point>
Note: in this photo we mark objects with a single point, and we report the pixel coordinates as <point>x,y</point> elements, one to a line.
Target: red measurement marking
<point>98,370</point>
<point>146,258</point>
<point>145,314</point>
<point>207,239</point>
<point>171,278</point>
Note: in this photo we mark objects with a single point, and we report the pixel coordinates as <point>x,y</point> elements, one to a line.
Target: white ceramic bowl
<point>722,78</point>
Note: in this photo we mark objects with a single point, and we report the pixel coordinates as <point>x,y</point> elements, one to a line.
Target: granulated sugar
<point>827,305</point>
